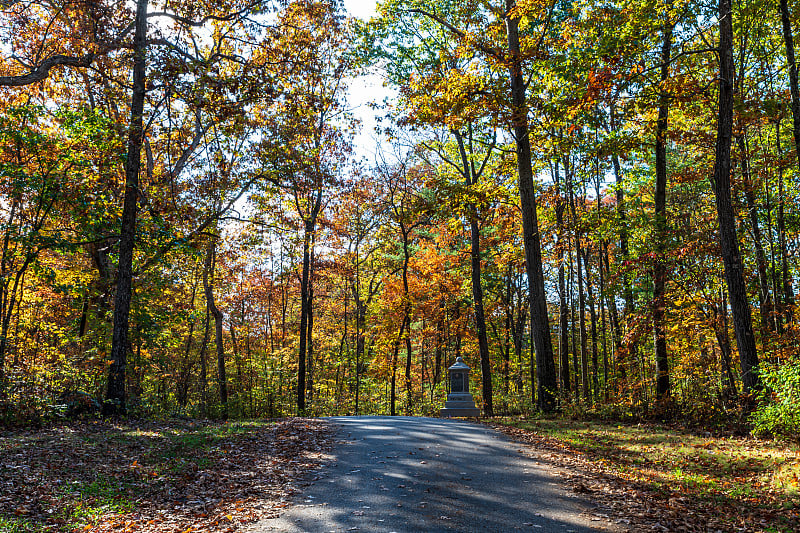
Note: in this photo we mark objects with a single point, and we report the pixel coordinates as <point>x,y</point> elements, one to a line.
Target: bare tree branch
<point>42,70</point>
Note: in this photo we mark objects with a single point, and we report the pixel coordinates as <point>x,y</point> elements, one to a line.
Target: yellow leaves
<point>531,10</point>
<point>451,97</point>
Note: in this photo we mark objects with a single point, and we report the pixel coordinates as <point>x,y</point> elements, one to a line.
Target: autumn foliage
<point>275,271</point>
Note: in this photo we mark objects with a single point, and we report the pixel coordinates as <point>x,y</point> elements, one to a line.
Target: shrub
<point>778,411</point>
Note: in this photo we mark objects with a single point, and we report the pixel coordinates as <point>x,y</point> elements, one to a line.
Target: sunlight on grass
<point>137,433</point>
<point>16,525</point>
<point>728,480</point>
<point>95,500</point>
<point>86,513</point>
<point>787,478</point>
<point>726,467</point>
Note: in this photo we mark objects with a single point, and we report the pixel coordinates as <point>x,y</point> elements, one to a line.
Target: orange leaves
<point>600,81</point>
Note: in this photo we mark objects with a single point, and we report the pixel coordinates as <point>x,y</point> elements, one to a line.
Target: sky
<point>366,89</point>
<point>360,8</point>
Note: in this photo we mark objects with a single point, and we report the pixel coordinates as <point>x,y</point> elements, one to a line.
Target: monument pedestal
<point>459,401</point>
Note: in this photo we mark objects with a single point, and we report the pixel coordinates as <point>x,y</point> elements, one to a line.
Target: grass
<point>15,525</point>
<point>96,499</point>
<point>735,472</point>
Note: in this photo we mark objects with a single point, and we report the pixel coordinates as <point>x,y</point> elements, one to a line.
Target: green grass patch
<point>96,499</point>
<point>17,525</point>
<point>186,448</point>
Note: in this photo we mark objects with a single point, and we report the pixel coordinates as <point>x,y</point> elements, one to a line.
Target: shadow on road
<point>423,474</point>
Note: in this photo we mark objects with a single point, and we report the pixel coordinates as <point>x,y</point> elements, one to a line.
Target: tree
<point>540,324</point>
<point>661,224</point>
<point>446,96</point>
<point>115,392</point>
<point>46,183</point>
<point>80,51</point>
<point>729,244</point>
<point>356,219</point>
<point>794,90</point>
<point>405,205</point>
<point>306,142</point>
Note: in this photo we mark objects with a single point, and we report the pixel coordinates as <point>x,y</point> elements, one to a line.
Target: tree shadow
<point>423,474</point>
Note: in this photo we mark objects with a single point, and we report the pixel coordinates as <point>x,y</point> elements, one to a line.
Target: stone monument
<point>459,401</point>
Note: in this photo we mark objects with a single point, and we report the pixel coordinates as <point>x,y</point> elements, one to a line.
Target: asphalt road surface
<point>407,474</point>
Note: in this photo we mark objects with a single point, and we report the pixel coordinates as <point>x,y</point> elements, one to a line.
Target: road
<point>410,474</point>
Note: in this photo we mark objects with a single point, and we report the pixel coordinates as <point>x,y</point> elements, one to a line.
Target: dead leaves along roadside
<point>176,476</point>
<point>641,506</point>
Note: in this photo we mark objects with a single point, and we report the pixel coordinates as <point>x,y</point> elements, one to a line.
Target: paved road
<point>404,474</point>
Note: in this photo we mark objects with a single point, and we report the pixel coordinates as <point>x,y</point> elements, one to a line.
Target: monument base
<point>459,404</point>
<point>457,412</point>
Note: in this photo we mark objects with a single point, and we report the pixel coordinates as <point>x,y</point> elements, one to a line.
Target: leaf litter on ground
<point>154,476</point>
<point>650,478</point>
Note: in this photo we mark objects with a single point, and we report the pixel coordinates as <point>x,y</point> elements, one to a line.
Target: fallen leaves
<point>640,492</point>
<point>176,476</point>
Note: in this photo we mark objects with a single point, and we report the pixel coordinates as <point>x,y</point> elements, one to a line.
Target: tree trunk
<point>304,305</point>
<point>360,323</point>
<point>406,316</point>
<point>729,245</point>
<point>184,376</point>
<point>237,359</point>
<point>661,227</point>
<point>563,310</point>
<point>437,362</point>
<point>395,352</point>
<point>540,326</point>
<point>593,321</point>
<point>628,308</point>
<point>788,293</point>
<point>721,333</point>
<point>208,287</point>
<point>764,297</point>
<point>581,297</point>
<point>573,324</point>
<point>582,323</point>
<point>480,321</point>
<point>310,364</point>
<point>344,351</point>
<point>409,408</point>
<point>603,326</point>
<point>204,366</point>
<point>794,91</point>
<point>507,336</point>
<point>309,227</point>
<point>115,392</point>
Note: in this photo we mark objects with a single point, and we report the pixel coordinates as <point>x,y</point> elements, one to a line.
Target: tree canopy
<point>595,205</point>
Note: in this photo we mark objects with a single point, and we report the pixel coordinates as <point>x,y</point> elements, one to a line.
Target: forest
<point>595,204</point>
